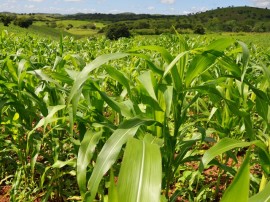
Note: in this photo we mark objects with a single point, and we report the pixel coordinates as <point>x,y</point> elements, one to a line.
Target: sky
<point>176,7</point>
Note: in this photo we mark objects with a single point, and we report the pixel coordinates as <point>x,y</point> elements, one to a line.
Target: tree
<point>23,22</point>
<point>88,26</point>
<point>6,19</point>
<point>53,24</point>
<point>143,24</point>
<point>199,30</point>
<point>184,26</point>
<point>116,31</point>
<point>69,26</point>
<point>230,26</point>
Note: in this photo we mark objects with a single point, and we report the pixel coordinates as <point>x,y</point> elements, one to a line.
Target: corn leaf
<point>263,196</point>
<point>119,76</point>
<point>113,193</point>
<point>200,64</point>
<point>227,144</point>
<point>206,59</point>
<point>221,44</point>
<point>147,81</point>
<point>110,151</point>
<point>173,63</point>
<point>262,108</point>
<point>83,75</point>
<point>140,174</point>
<point>85,154</point>
<point>238,191</point>
<point>164,53</point>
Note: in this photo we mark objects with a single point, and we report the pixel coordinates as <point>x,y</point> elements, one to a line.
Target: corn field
<point>134,120</point>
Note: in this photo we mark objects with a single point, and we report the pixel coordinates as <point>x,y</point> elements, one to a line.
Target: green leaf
<point>238,191</point>
<point>36,149</point>
<point>119,76</point>
<point>224,145</point>
<point>110,151</point>
<point>61,164</point>
<point>85,154</point>
<point>45,77</point>
<point>263,196</point>
<point>262,108</point>
<point>146,79</point>
<point>206,59</point>
<point>49,118</point>
<point>83,75</point>
<point>176,75</point>
<point>113,193</point>
<point>173,63</point>
<point>164,53</point>
<point>221,44</point>
<point>32,96</point>
<point>124,108</point>
<point>168,96</point>
<point>229,64</point>
<point>249,127</point>
<point>11,69</point>
<point>200,64</point>
<point>60,77</point>
<point>149,62</point>
<point>58,63</point>
<point>245,58</point>
<point>140,173</point>
<point>22,67</point>
<point>44,121</point>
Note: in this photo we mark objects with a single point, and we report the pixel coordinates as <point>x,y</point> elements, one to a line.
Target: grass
<point>42,30</point>
<point>78,23</point>
<point>258,39</point>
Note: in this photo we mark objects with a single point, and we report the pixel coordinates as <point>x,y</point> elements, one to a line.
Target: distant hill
<point>230,19</point>
<point>237,13</point>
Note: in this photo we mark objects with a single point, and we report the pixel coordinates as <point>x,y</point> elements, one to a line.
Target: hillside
<point>234,18</point>
<point>231,19</point>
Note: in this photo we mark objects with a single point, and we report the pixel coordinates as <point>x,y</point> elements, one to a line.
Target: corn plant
<point>95,120</point>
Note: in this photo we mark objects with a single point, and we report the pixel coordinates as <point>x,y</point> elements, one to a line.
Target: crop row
<point>134,119</point>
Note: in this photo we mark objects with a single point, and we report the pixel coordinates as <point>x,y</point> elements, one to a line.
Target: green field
<point>157,118</point>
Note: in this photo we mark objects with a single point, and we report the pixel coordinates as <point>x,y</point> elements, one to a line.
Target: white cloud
<point>195,10</point>
<point>87,10</point>
<point>261,3</point>
<point>115,11</point>
<point>150,8</point>
<point>36,0</point>
<point>29,6</point>
<point>167,1</point>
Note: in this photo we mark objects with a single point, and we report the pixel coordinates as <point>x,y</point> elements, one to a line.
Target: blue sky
<point>118,6</point>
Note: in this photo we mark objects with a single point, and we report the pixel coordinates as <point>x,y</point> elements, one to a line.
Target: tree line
<point>230,19</point>
<point>23,22</point>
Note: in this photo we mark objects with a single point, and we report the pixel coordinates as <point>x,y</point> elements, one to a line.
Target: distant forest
<point>230,19</point>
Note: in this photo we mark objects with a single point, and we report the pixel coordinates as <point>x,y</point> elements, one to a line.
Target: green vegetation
<point>116,31</point>
<point>23,22</point>
<point>6,19</point>
<point>199,30</point>
<point>231,19</point>
<point>164,118</point>
<point>238,19</point>
<point>89,113</point>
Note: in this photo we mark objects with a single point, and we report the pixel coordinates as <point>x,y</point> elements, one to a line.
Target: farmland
<point>152,118</point>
